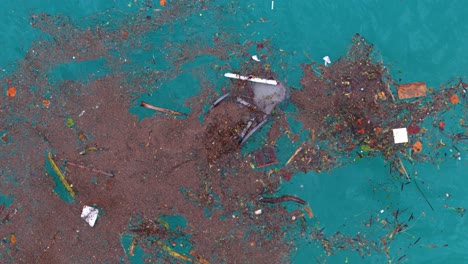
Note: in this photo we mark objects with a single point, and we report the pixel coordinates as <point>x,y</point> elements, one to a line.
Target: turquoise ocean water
<point>418,40</point>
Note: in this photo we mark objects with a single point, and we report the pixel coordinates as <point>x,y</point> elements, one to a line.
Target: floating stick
<point>51,243</point>
<point>91,169</point>
<point>219,100</point>
<point>295,153</point>
<point>163,110</point>
<point>283,198</point>
<point>60,175</point>
<point>250,78</point>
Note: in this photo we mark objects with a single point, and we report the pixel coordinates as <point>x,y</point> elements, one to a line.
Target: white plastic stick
<point>250,79</point>
<point>272,4</point>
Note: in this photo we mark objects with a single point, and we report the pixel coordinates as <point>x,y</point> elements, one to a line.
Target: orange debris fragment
<point>417,147</point>
<point>411,90</point>
<point>46,103</point>
<point>162,2</point>
<point>454,99</point>
<point>13,239</point>
<point>441,125</point>
<point>11,92</point>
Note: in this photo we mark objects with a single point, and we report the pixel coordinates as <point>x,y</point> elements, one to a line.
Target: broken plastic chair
<point>267,94</point>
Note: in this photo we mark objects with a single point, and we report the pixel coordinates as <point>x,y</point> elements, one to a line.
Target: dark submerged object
<point>261,98</point>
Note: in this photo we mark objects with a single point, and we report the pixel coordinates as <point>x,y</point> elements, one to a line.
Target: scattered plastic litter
<point>255,58</point>
<point>400,135</point>
<point>411,90</point>
<point>327,60</point>
<point>90,214</point>
<point>250,78</point>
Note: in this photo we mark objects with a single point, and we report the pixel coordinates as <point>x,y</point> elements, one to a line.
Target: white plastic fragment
<point>250,78</point>
<point>400,135</point>
<point>255,58</point>
<point>90,214</point>
<point>272,4</point>
<point>327,60</point>
<point>382,211</point>
<point>259,211</point>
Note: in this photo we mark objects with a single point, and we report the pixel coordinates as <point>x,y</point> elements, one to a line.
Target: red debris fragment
<point>413,129</point>
<point>287,176</point>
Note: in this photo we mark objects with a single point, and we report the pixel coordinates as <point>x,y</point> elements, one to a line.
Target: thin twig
<point>51,243</point>
<point>295,154</point>
<point>90,169</point>
<point>163,110</point>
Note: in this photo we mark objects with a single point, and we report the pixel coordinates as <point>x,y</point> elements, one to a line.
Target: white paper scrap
<point>89,214</point>
<point>400,135</point>
<point>250,78</point>
<point>259,211</point>
<point>327,60</point>
<point>255,58</point>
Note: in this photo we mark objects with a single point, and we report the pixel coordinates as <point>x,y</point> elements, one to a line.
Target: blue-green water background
<point>418,40</point>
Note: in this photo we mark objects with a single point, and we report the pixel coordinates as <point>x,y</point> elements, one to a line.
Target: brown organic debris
<point>411,90</point>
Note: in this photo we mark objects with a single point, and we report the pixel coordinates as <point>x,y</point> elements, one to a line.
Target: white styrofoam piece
<point>90,214</point>
<point>400,135</point>
<point>255,58</point>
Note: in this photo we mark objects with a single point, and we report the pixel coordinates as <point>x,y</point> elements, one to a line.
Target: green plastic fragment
<point>365,148</point>
<point>70,122</point>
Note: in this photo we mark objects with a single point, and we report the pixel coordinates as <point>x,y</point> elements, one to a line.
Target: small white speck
<point>302,185</point>
<point>73,57</point>
<point>81,114</point>
<point>259,211</point>
<point>293,217</point>
<point>382,211</point>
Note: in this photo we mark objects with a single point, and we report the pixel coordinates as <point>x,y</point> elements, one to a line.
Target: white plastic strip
<point>250,79</point>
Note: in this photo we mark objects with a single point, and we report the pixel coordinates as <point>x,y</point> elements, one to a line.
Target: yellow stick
<point>174,253</point>
<point>295,153</point>
<point>403,169</point>
<point>60,175</point>
<point>159,109</point>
